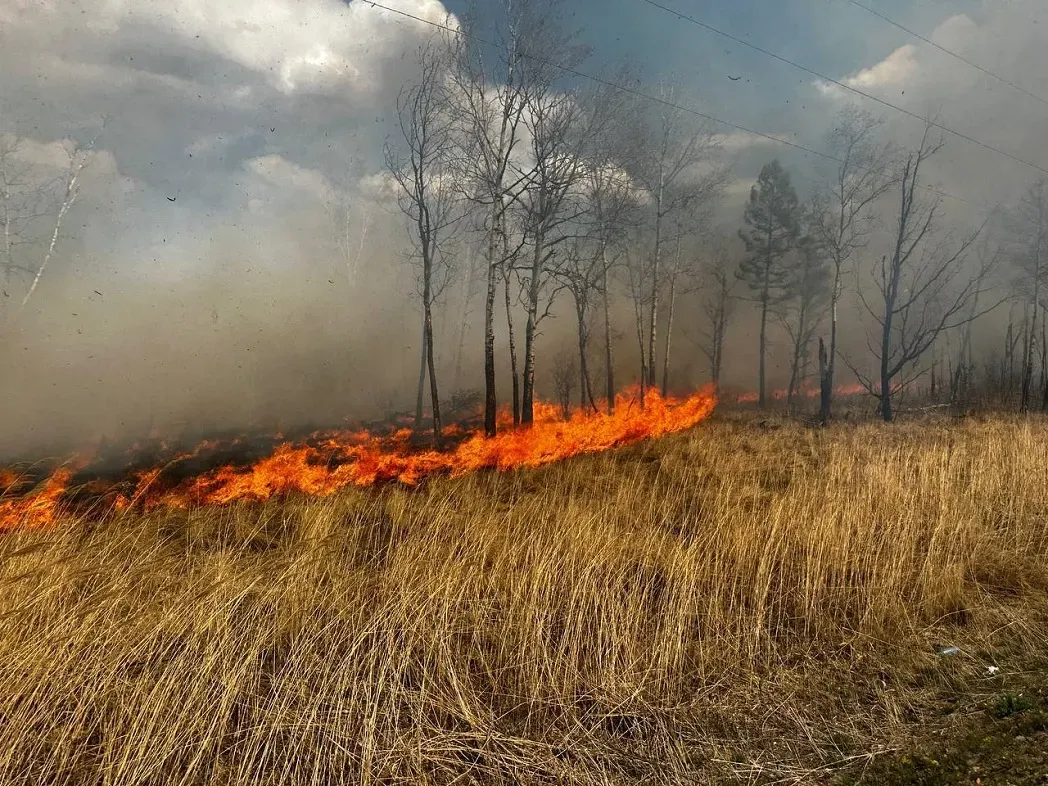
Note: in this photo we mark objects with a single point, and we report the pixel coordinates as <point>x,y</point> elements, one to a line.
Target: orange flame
<point>803,392</point>
<point>37,509</point>
<point>357,458</point>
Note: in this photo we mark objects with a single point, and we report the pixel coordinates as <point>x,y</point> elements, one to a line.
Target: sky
<point>229,207</point>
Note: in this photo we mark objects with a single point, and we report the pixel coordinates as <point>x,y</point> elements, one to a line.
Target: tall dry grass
<point>640,616</point>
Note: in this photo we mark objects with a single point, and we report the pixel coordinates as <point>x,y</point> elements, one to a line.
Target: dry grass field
<point>739,603</point>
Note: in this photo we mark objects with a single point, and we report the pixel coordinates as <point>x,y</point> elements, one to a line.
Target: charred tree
<point>922,288</point>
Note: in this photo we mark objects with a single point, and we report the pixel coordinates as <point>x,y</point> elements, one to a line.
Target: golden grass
<point>661,614</point>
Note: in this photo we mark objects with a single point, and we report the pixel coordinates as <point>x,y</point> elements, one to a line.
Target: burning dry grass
<point>656,614</point>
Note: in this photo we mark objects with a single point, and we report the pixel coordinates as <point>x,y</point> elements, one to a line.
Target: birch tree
<point>844,207</point>
<point>717,304</point>
<point>611,197</point>
<point>34,203</point>
<point>581,274</point>
<point>675,145</point>
<point>556,123</point>
<point>422,166</point>
<point>489,100</point>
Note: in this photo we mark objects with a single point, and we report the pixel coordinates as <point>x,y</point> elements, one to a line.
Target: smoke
<point>233,263</point>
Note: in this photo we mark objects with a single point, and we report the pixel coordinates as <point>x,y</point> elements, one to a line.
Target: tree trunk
<point>527,414</point>
<point>886,380</point>
<point>669,325</point>
<point>638,313</point>
<point>1008,364</point>
<point>490,403</point>
<point>1027,377</point>
<point>608,358</point>
<point>655,273</point>
<point>716,360</point>
<point>433,393</point>
<point>586,386</point>
<point>795,363</point>
<point>1027,383</point>
<point>765,294</point>
<point>1044,365</point>
<point>464,324</point>
<point>643,364</point>
<point>826,398</point>
<point>825,384</point>
<point>799,362</point>
<point>420,395</point>
<point>512,349</point>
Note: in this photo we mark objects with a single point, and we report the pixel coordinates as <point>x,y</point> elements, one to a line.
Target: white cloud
<point>275,170</point>
<point>50,159</point>
<point>896,70</point>
<point>296,45</point>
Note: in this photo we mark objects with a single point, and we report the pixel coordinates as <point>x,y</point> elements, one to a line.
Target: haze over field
<point>235,257</point>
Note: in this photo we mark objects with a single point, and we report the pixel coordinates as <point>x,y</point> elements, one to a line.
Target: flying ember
<point>328,462</point>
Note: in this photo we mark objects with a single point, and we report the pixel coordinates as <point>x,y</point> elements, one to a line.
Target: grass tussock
<point>733,600</point>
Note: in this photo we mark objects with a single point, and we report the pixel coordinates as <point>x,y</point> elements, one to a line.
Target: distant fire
<point>805,392</point>
<point>328,462</point>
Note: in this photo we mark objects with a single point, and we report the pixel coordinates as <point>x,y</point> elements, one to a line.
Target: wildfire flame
<point>336,460</point>
<point>803,392</point>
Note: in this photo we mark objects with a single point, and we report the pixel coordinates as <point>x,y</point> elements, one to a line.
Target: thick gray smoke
<point>234,261</point>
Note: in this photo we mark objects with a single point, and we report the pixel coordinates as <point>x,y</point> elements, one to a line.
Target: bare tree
<point>581,274</point>
<point>556,122</point>
<point>683,271</point>
<point>564,379</point>
<point>668,170</point>
<point>34,202</point>
<point>802,312</point>
<point>489,99</point>
<point>922,289</point>
<point>610,196</point>
<point>844,207</point>
<point>422,166</point>
<point>1028,231</point>
<point>636,266</point>
<point>717,284</point>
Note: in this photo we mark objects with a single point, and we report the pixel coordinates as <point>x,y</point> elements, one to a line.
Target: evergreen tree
<point>773,220</point>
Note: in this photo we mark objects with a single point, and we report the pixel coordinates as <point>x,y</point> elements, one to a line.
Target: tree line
<point>566,190</point>
<point>528,188</point>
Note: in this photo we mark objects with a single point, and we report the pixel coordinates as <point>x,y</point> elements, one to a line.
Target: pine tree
<point>773,219</point>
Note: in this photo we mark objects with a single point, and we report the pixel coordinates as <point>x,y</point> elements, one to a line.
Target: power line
<point>950,52</point>
<point>662,101</point>
<point>890,105</point>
